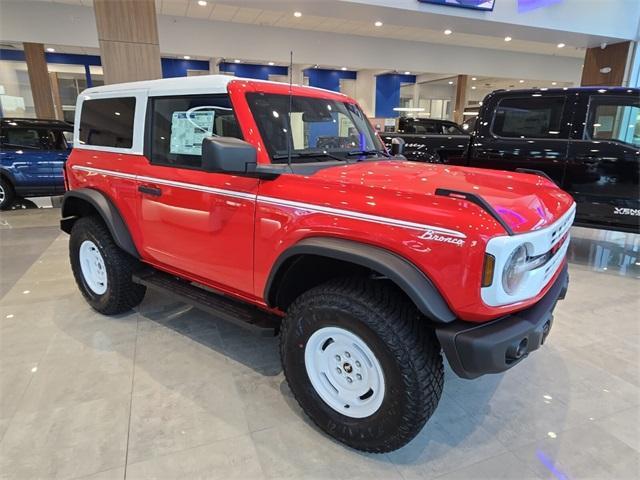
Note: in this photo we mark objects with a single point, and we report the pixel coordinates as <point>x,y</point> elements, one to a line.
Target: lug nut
<point>338,358</point>
<point>358,364</point>
<point>358,376</point>
<point>349,379</point>
<point>338,370</point>
<point>347,354</point>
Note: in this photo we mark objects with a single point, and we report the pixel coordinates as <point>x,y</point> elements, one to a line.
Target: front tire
<point>7,194</point>
<point>101,269</point>
<point>361,363</point>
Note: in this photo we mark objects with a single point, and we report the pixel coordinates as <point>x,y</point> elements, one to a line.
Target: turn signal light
<point>487,271</point>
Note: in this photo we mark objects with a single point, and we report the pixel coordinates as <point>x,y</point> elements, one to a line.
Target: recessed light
<point>520,81</point>
<point>378,23</point>
<point>271,64</point>
<point>450,82</point>
<point>51,50</point>
<point>187,57</point>
<point>448,32</point>
<point>473,78</point>
<point>236,61</point>
<point>202,3</point>
<point>507,39</point>
<point>407,73</point>
<point>297,14</point>
<point>554,83</point>
<point>343,69</point>
<point>561,45</point>
<point>473,88</point>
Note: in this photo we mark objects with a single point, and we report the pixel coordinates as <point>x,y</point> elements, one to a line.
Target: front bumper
<point>476,349</point>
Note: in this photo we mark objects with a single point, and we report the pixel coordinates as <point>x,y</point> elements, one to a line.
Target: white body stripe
<point>277,201</point>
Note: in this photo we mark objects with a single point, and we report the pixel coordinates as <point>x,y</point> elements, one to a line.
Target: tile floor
<point>168,392</point>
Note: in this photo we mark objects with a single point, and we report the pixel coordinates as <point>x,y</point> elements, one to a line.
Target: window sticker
<point>188,129</point>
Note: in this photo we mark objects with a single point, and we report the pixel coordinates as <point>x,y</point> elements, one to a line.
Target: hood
<point>526,202</point>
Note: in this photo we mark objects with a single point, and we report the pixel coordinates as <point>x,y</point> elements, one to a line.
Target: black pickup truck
<point>587,140</point>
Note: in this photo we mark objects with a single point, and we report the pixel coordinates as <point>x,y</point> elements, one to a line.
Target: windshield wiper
<point>309,155</point>
<point>368,152</point>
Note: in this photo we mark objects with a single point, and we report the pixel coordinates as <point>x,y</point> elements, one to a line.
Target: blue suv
<point>32,156</point>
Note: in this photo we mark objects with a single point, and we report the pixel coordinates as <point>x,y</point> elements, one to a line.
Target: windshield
<point>318,129</point>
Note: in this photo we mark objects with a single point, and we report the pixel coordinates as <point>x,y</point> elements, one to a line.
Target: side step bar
<point>230,310</point>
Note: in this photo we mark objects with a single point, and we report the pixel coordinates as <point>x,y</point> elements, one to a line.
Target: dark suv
<point>32,155</point>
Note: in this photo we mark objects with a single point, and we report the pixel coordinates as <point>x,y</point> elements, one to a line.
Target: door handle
<point>155,191</point>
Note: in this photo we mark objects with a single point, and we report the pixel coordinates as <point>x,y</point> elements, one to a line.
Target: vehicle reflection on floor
<point>35,202</point>
<point>616,253</point>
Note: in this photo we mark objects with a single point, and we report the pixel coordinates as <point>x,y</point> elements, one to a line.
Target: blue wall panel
<point>388,93</point>
<point>328,79</point>
<point>250,70</point>
<point>175,67</point>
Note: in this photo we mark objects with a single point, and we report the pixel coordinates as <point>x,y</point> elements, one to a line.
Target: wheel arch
<point>323,256</point>
<point>87,201</point>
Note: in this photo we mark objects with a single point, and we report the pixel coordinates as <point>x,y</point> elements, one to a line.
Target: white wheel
<point>344,372</point>
<point>93,267</point>
<point>3,195</point>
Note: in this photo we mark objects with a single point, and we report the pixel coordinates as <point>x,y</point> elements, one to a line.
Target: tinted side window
<point>615,119</point>
<point>179,124</point>
<point>18,138</point>
<point>529,117</point>
<point>107,122</point>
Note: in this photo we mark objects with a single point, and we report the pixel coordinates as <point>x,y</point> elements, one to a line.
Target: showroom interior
<point>467,168</point>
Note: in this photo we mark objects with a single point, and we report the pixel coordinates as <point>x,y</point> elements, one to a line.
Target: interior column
<point>605,66</point>
<point>39,79</point>
<point>128,36</point>
<point>461,99</point>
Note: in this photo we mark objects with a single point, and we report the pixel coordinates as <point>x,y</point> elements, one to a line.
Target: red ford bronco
<point>277,207</point>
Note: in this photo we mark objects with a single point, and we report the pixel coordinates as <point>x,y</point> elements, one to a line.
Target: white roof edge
<point>166,86</point>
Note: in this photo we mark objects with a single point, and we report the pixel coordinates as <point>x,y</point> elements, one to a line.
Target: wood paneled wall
<point>461,99</point>
<point>39,79</point>
<point>613,56</point>
<point>128,36</point>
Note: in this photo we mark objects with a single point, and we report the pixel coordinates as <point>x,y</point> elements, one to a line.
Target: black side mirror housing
<point>397,146</point>
<point>236,157</point>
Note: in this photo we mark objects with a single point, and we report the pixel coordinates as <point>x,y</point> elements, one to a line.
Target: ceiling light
<point>51,50</point>
<point>507,39</point>
<point>554,83</point>
<point>448,32</point>
<point>187,57</point>
<point>407,73</point>
<point>520,81</point>
<point>343,69</point>
<point>561,45</point>
<point>473,78</point>
<point>202,3</point>
<point>297,14</point>
<point>271,64</point>
<point>473,88</point>
<point>408,109</point>
<point>236,61</point>
<point>378,23</point>
<point>450,82</point>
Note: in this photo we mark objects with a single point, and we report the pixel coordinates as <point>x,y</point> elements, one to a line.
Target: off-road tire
<point>9,196</point>
<point>122,293</point>
<point>395,332</point>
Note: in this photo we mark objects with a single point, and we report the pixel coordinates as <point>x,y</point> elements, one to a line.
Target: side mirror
<point>236,157</point>
<point>227,155</point>
<point>397,146</point>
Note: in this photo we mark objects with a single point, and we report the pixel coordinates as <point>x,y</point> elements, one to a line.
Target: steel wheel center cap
<point>347,368</point>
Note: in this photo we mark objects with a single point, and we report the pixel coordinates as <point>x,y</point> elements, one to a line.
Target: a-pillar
<point>461,99</point>
<point>128,36</point>
<point>605,66</point>
<point>39,80</point>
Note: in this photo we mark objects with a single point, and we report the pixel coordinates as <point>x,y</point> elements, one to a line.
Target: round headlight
<point>514,270</point>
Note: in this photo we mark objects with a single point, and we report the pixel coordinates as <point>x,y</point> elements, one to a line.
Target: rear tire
<point>367,324</point>
<point>7,194</point>
<point>102,270</point>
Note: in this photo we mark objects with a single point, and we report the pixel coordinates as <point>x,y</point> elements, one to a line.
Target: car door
<point>526,131</point>
<point>604,160</point>
<point>194,222</point>
<point>24,154</point>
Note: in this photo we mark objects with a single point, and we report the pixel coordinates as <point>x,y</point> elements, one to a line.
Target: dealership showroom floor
<point>167,391</point>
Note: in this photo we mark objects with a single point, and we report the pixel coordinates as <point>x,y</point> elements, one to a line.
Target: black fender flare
<point>416,285</point>
<point>72,210</point>
<point>5,172</point>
